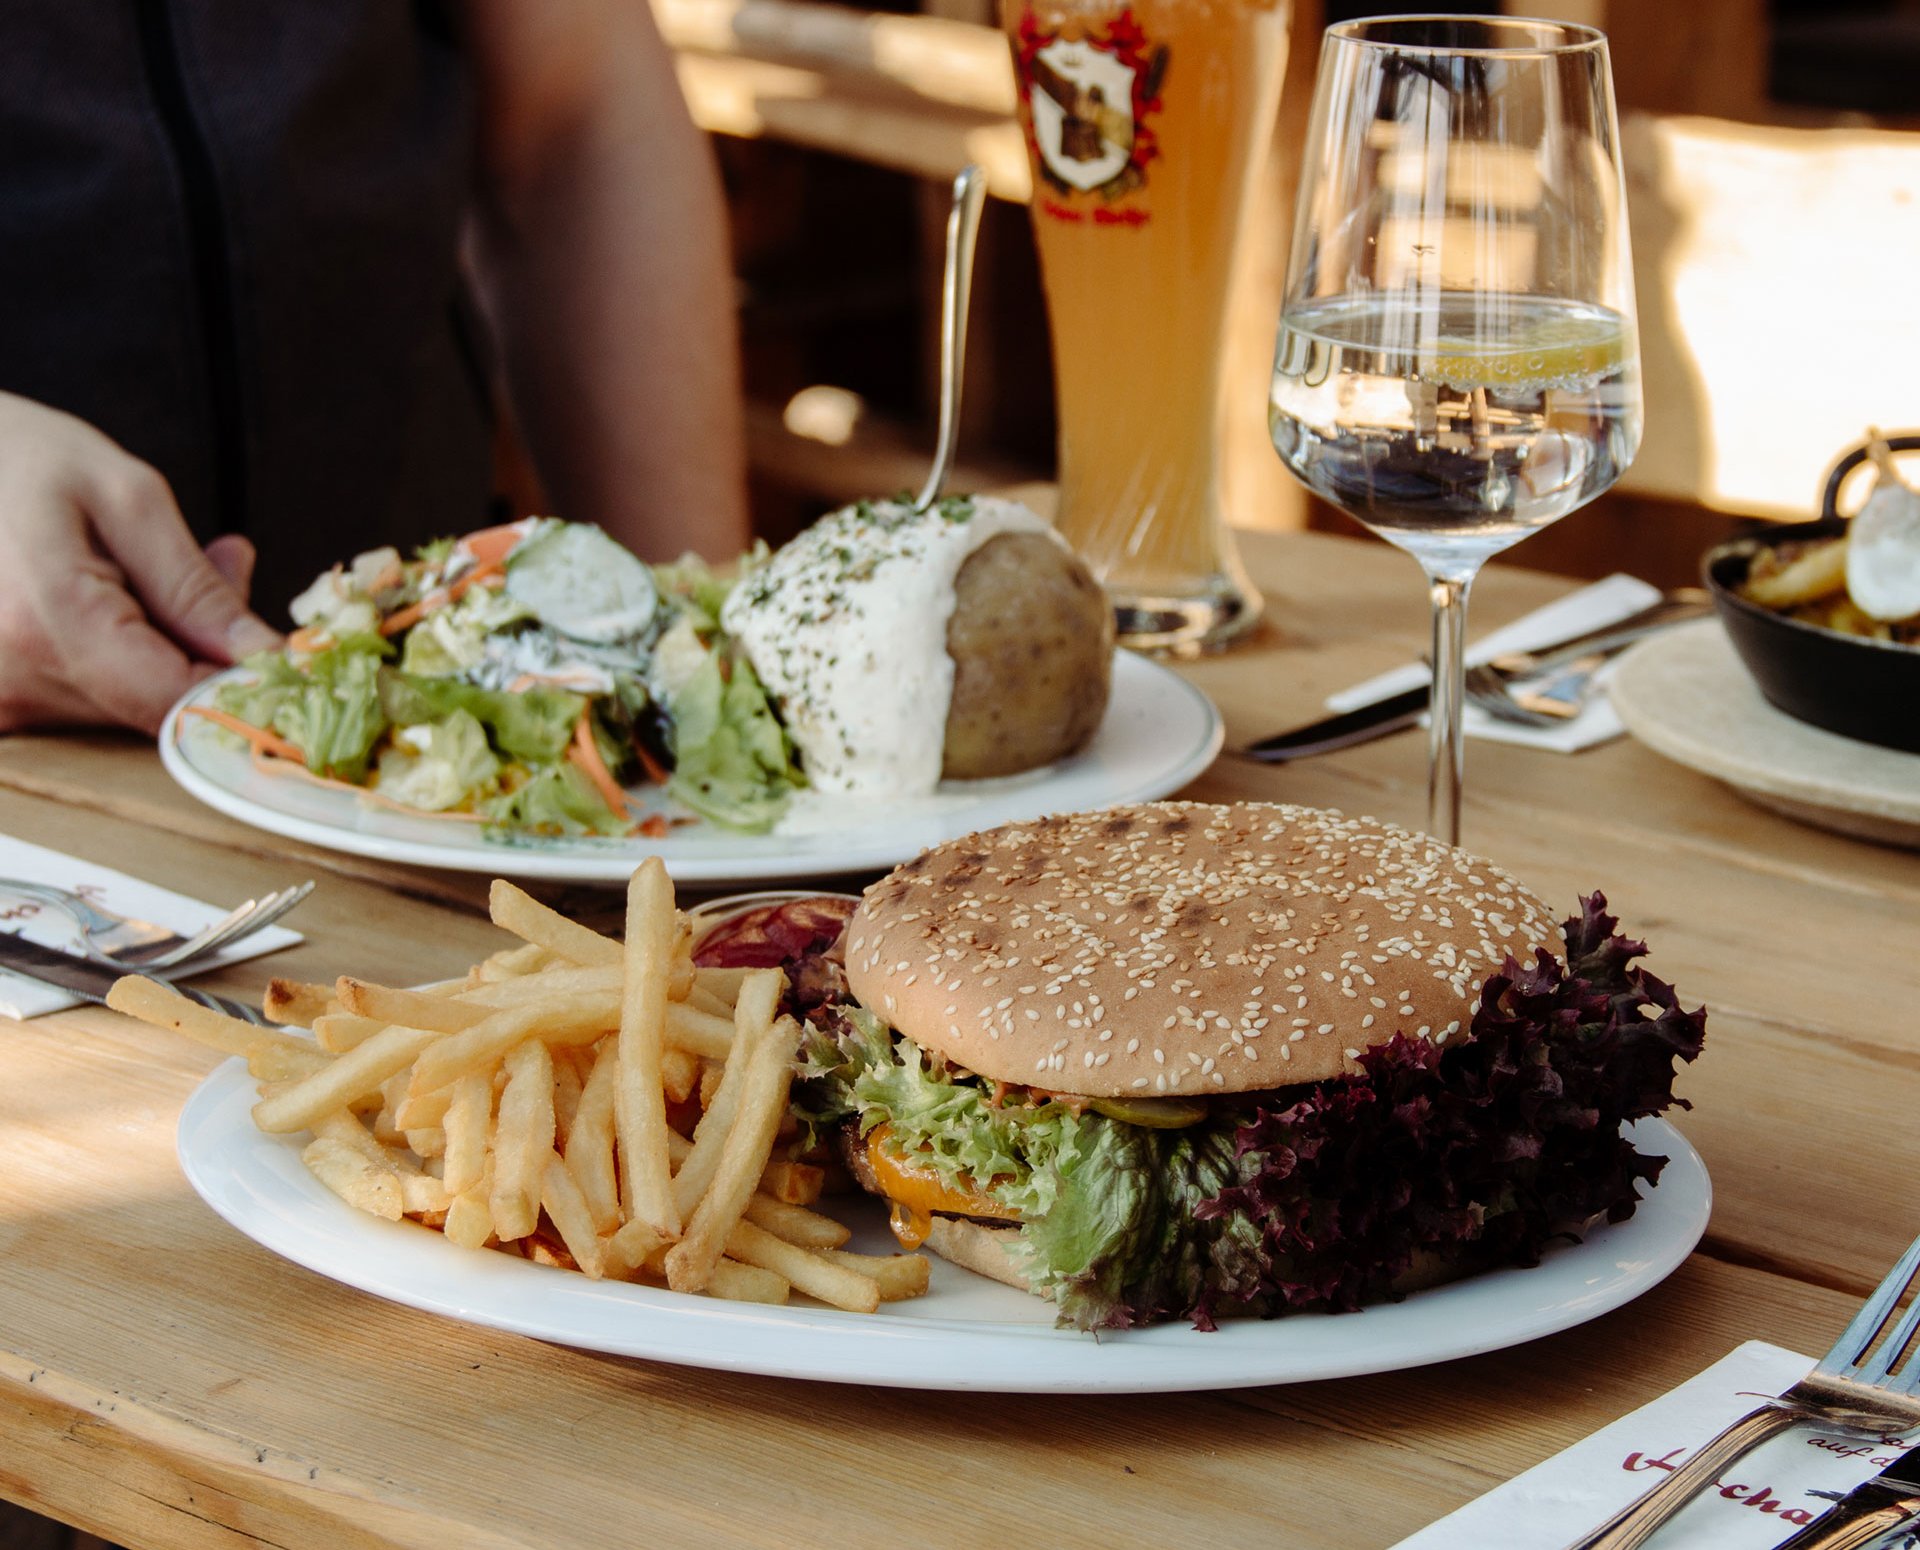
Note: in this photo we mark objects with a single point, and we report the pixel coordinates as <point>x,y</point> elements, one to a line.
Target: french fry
<point>164,1007</point>
<point>428,1109</point>
<point>746,1283</point>
<point>589,1147</point>
<point>796,1224</point>
<point>700,999</point>
<point>352,1076</point>
<point>425,1140</point>
<point>511,962</point>
<point>703,1033</point>
<point>798,1184</point>
<point>1817,573</point>
<point>567,1209</point>
<point>639,1108</point>
<point>273,1062</point>
<point>514,909</point>
<point>522,1139</point>
<point>721,984</point>
<point>469,1221</point>
<point>353,1178</point>
<point>768,1072</point>
<point>753,1020</point>
<point>634,1244</point>
<point>575,1019</point>
<point>566,1093</point>
<point>467,1125</point>
<point>712,1073</point>
<point>899,1276</point>
<point>295,1002</point>
<point>338,1032</point>
<point>679,1074</point>
<point>421,1195</point>
<point>808,1269</point>
<point>414,1008</point>
<point>564,979</point>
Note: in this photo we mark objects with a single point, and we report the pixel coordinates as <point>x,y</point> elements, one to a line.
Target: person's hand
<point>109,611</point>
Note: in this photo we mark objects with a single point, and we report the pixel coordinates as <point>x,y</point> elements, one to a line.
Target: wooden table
<point>165,1383</point>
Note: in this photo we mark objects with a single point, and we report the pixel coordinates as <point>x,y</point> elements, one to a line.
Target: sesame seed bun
<point>1184,948</point>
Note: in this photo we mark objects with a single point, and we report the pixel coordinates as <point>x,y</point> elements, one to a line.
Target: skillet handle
<point>1906,441</point>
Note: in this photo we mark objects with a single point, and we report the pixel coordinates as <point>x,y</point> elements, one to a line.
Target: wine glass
<point>1458,363</point>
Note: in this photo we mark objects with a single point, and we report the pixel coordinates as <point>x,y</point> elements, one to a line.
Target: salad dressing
<point>847,628</point>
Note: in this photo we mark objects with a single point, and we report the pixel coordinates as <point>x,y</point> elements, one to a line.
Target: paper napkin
<point>1591,608</point>
<point>22,997</point>
<point>1757,1502</point>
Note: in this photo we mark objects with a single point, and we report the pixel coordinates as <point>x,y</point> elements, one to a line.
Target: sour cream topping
<point>847,628</point>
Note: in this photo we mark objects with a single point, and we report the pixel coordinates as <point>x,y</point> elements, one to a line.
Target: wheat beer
<point>1145,124</point>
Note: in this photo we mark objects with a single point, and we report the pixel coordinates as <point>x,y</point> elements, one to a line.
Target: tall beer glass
<point>1146,121</point>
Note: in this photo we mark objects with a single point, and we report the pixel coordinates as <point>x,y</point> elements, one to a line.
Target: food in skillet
<point>1182,1061</point>
<point>1866,582</point>
<point>527,677</point>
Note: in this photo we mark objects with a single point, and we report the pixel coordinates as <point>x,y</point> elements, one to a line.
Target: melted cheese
<point>916,1192</point>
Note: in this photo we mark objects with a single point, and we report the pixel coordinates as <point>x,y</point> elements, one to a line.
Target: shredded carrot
<point>491,545</point>
<point>654,826</point>
<point>587,757</point>
<point>657,772</point>
<point>305,639</point>
<point>413,613</point>
<point>259,737</point>
<point>269,764</point>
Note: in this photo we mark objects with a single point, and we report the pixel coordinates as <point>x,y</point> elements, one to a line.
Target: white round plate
<point>1159,733</point>
<point>1686,695</point>
<point>967,1333</point>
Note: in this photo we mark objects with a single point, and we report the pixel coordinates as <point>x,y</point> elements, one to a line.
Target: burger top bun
<point>1183,948</point>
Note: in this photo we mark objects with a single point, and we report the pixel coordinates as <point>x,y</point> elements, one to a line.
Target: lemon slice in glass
<point>1564,351</point>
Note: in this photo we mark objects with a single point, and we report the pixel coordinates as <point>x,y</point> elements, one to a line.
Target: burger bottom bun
<point>974,1246</point>
<point>988,1250</point>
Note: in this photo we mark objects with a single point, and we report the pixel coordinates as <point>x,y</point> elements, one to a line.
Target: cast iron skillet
<point>1860,688</point>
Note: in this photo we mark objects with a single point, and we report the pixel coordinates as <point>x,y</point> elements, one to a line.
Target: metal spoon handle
<point>963,226</point>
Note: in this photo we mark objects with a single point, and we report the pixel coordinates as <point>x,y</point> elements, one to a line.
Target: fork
<point>1846,1392</point>
<point>124,942</point>
<point>1536,699</point>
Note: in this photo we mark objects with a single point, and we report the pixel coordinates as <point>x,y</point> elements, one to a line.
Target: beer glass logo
<point>1089,99</point>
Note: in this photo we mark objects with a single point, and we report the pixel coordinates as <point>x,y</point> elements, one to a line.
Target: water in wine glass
<point>1455,425</point>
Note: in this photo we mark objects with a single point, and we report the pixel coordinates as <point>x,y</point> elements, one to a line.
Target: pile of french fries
<point>526,1107</point>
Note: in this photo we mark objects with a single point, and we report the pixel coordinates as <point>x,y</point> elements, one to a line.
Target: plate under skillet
<point>1159,733</point>
<point>968,1333</point>
<point>1686,695</point>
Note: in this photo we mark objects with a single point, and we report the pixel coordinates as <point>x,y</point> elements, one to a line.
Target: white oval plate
<point>1159,733</point>
<point>967,1333</point>
<point>1686,695</point>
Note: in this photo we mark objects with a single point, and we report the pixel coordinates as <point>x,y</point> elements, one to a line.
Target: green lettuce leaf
<point>532,725</point>
<point>556,800</point>
<point>328,707</point>
<point>438,766</point>
<point>732,760</point>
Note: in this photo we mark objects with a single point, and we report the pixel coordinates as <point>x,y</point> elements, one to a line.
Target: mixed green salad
<point>522,678</point>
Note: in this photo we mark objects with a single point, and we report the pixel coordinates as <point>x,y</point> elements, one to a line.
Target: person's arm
<point>602,254</point>
<point>109,611</point>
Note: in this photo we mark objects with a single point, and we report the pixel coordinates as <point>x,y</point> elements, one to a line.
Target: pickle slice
<point>1152,1113</point>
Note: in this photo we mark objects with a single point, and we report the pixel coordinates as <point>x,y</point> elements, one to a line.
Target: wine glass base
<point>1183,624</point>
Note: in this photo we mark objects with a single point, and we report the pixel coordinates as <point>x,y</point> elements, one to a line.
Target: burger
<point>1186,1061</point>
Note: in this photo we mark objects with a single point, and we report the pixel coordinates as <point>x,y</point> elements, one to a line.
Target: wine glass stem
<point>1446,767</point>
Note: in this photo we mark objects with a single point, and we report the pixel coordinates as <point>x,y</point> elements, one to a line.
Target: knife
<point>1396,712</point>
<point>1871,1509</point>
<point>91,981</point>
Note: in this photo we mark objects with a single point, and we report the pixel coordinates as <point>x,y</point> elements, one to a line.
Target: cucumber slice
<point>1151,1113</point>
<point>580,582</point>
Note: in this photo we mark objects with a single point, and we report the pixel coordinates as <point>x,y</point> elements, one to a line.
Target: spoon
<point>963,226</point>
